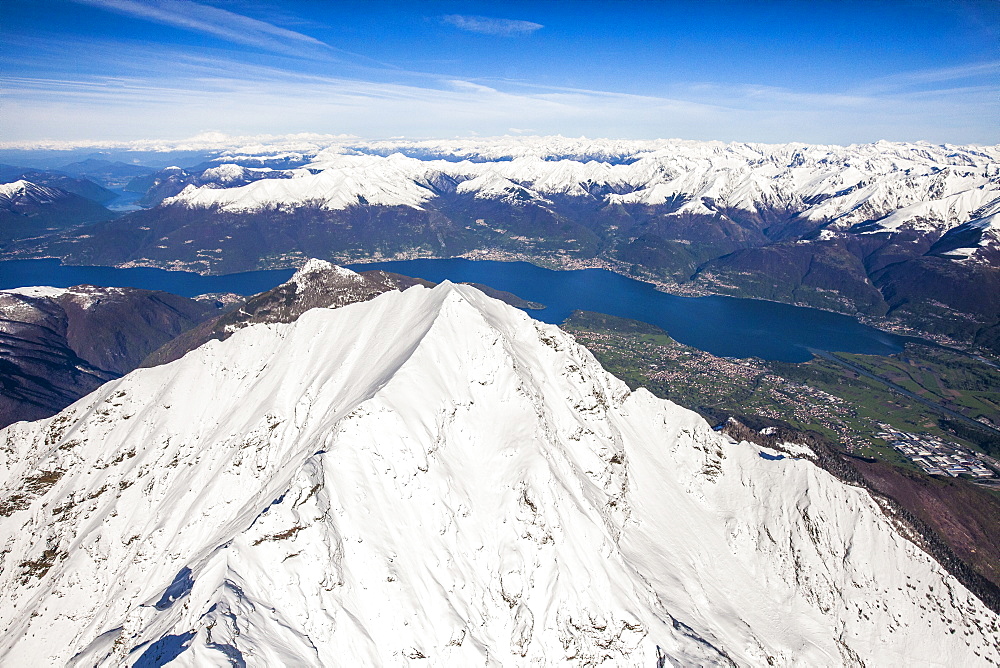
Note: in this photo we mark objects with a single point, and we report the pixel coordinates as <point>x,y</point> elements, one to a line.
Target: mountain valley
<point>902,234</point>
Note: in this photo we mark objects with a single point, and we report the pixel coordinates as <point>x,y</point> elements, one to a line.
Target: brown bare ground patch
<point>284,535</point>
<point>964,515</point>
<point>42,481</point>
<point>37,568</point>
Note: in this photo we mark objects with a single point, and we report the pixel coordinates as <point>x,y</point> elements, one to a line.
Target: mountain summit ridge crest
<point>433,476</point>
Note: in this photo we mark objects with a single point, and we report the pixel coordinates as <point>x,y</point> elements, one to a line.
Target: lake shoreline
<point>561,263</point>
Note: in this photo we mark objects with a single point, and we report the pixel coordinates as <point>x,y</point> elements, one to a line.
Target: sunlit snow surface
<point>20,191</point>
<point>884,186</point>
<point>433,478</point>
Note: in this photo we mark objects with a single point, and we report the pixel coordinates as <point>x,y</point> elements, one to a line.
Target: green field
<point>818,395</point>
<point>954,379</point>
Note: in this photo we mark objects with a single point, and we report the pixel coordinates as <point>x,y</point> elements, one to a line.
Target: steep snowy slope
<point>433,478</point>
<point>316,284</point>
<point>28,192</point>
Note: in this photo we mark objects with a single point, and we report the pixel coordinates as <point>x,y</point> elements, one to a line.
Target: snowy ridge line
<point>911,186</point>
<point>32,191</point>
<point>37,291</point>
<point>888,186</point>
<point>431,476</point>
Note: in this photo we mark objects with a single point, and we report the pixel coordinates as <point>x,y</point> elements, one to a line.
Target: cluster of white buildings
<point>934,456</point>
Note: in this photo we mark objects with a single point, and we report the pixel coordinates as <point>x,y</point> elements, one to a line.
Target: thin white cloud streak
<point>205,141</point>
<point>60,57</point>
<point>934,75</point>
<point>491,26</point>
<point>334,106</point>
<point>217,22</point>
<point>171,92</point>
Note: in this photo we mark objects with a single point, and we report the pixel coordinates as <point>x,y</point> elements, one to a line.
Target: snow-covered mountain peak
<point>315,265</point>
<point>22,190</point>
<point>37,291</point>
<point>316,271</point>
<point>227,173</point>
<point>432,477</point>
<point>339,182</point>
<point>8,189</point>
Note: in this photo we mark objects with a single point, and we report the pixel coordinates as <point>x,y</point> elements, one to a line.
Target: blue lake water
<point>125,202</point>
<point>723,326</point>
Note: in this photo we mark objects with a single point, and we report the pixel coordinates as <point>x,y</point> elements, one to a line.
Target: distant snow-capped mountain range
<point>886,186</point>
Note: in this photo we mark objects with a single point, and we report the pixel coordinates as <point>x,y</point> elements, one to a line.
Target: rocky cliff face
<point>431,477</point>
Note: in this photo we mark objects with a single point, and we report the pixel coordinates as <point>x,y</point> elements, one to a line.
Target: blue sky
<point>820,72</point>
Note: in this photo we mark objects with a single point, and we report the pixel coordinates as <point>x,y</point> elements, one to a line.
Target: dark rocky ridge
<point>318,284</point>
<point>55,349</point>
<point>507,297</point>
<point>35,209</point>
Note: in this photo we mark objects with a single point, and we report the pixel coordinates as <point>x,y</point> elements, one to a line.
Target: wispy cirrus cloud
<point>915,78</point>
<point>241,99</point>
<point>492,26</point>
<point>170,90</point>
<point>232,27</point>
